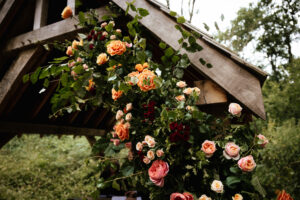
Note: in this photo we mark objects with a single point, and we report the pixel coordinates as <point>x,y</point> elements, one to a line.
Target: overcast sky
<point>210,11</point>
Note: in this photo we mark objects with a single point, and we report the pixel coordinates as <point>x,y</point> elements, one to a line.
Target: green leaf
<point>162,45</point>
<point>175,59</point>
<point>202,61</point>
<point>180,20</point>
<point>112,78</point>
<point>81,17</point>
<point>127,171</point>
<point>206,26</point>
<point>44,73</point>
<point>143,12</point>
<point>256,184</point>
<point>46,83</point>
<point>132,7</point>
<point>115,185</point>
<point>105,17</point>
<point>142,43</point>
<point>192,40</point>
<point>231,181</point>
<point>64,79</point>
<point>109,27</point>
<point>208,65</point>
<point>178,73</point>
<point>25,78</point>
<point>173,14</point>
<point>35,75</point>
<point>169,52</point>
<point>234,170</point>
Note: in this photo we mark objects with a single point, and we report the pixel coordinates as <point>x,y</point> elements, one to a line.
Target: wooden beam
<point>211,93</point>
<point>41,14</point>
<point>28,128</point>
<point>13,76</point>
<point>55,31</point>
<point>100,118</point>
<point>238,82</point>
<point>72,5</point>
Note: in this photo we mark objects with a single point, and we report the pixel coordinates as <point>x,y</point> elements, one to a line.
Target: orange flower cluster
<point>122,130</point>
<point>146,80</point>
<point>116,47</point>
<point>116,94</point>
<point>284,196</point>
<point>141,67</point>
<point>133,74</point>
<point>75,43</point>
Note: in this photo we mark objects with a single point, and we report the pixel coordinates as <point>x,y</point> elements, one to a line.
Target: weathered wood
<point>100,117</point>
<point>28,128</point>
<point>210,93</point>
<point>7,7</point>
<point>41,14</point>
<point>239,83</point>
<point>55,31</point>
<point>13,76</point>
<point>71,3</point>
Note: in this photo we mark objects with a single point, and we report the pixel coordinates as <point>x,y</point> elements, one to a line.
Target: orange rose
<point>180,98</point>
<point>146,80</point>
<point>284,196</point>
<point>141,67</point>
<point>122,130</point>
<point>208,147</point>
<point>116,94</point>
<point>132,74</point>
<point>76,43</point>
<point>102,58</point>
<point>91,85</point>
<point>116,47</point>
<point>69,51</point>
<point>67,12</point>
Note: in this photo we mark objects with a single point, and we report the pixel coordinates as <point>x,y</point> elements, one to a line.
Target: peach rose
<point>115,141</point>
<point>119,114</point>
<point>235,109</point>
<point>150,141</point>
<point>159,153</point>
<point>188,196</point>
<point>232,151</point>
<point>102,58</point>
<point>128,117</point>
<point>116,47</point>
<point>122,130</point>
<point>69,51</point>
<point>237,197</point>
<point>180,98</point>
<point>112,22</point>
<point>112,37</point>
<point>284,196</point>
<point>208,147</point>
<point>150,155</point>
<point>247,164</point>
<point>139,67</point>
<point>204,197</point>
<point>217,186</point>
<point>91,85</point>
<point>158,170</point>
<point>103,24</point>
<point>105,34</point>
<point>190,108</point>
<point>116,94</point>
<point>139,146</point>
<point>67,12</point>
<point>79,60</point>
<point>181,84</point>
<point>146,160</point>
<point>85,66</point>
<point>76,43</point>
<point>177,196</point>
<point>118,30</point>
<point>146,80</point>
<point>128,107</point>
<point>197,90</point>
<point>188,91</point>
<point>264,140</point>
<point>133,74</point>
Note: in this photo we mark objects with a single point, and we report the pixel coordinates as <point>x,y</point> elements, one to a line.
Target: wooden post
<point>41,14</point>
<point>72,3</point>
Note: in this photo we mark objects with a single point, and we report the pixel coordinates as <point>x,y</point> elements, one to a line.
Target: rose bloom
<point>180,98</point>
<point>76,43</point>
<point>190,108</point>
<point>128,117</point>
<point>112,37</point>
<point>122,130</point>
<point>264,140</point>
<point>197,90</point>
<point>91,85</point>
<point>188,91</point>
<point>158,170</point>
<point>112,22</point>
<point>69,51</point>
<point>146,160</point>
<point>133,74</point>
<point>103,24</point>
<point>105,34</point>
<point>102,58</point>
<point>119,114</point>
<point>128,107</point>
<point>188,196</point>
<point>177,196</point>
<point>217,186</point>
<point>284,196</point>
<point>159,153</point>
<point>116,94</point>
<point>150,141</point>
<point>208,147</point>
<point>118,30</point>
<point>85,66</point>
<point>79,59</point>
<point>204,197</point>
<point>71,64</point>
<point>139,146</point>
<point>237,197</point>
<point>129,45</point>
<point>67,12</point>
<point>113,134</point>
<point>231,151</point>
<point>150,155</point>
<point>115,141</point>
<point>148,77</point>
<point>116,47</point>
<point>247,164</point>
<point>141,67</point>
<point>181,84</point>
<point>235,109</point>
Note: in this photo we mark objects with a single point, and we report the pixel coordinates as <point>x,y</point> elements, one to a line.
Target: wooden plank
<point>238,82</point>
<point>71,3</point>
<point>8,5</point>
<point>13,76</point>
<point>55,31</point>
<point>100,118</point>
<point>28,128</point>
<point>41,14</point>
<point>211,93</point>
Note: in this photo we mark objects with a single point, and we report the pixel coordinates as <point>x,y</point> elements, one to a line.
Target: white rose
<point>181,84</point>
<point>119,114</point>
<point>217,186</point>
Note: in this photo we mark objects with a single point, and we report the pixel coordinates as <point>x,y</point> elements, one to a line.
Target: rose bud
<point>197,90</point>
<point>118,31</point>
<point>69,51</point>
<point>139,146</point>
<point>128,107</point>
<point>264,140</point>
<point>103,24</point>
<point>159,153</point>
<point>180,98</point>
<point>146,160</point>
<point>102,59</point>
<point>150,155</point>
<point>188,91</point>
<point>237,197</point>
<point>85,66</point>
<point>67,12</point>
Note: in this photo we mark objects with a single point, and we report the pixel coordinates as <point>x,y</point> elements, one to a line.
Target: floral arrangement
<point>161,143</point>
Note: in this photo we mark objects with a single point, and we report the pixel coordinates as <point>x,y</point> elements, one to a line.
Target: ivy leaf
<point>64,79</point>
<point>162,45</point>
<point>115,185</point>
<point>143,12</point>
<point>206,26</point>
<point>81,17</point>
<point>202,61</point>
<point>169,52</point>
<point>180,20</point>
<point>35,75</point>
<point>208,65</point>
<point>192,40</point>
<point>173,14</point>
<point>25,78</point>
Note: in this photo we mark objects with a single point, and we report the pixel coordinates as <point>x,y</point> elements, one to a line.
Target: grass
<point>46,168</point>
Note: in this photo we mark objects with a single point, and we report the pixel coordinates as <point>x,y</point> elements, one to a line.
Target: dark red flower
<point>92,32</point>
<point>89,37</point>
<point>173,126</point>
<point>95,37</point>
<point>102,37</point>
<point>91,46</point>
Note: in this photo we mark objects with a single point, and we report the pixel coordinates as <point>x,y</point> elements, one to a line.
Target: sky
<point>210,11</point>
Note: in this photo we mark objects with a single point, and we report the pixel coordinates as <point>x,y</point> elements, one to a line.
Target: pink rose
<point>264,140</point>
<point>159,153</point>
<point>150,155</point>
<point>119,114</point>
<point>188,196</point>
<point>129,45</point>
<point>103,24</point>
<point>71,64</point>
<point>115,141</point>
<point>208,147</point>
<point>177,196</point>
<point>128,117</point>
<point>85,66</point>
<point>235,109</point>
<point>128,107</point>
<point>139,146</point>
<point>180,98</point>
<point>146,160</point>
<point>79,59</point>
<point>118,31</point>
<point>247,164</point>
<point>232,151</point>
<point>112,37</point>
<point>158,170</point>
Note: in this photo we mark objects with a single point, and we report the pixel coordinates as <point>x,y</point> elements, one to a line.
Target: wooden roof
<point>23,109</point>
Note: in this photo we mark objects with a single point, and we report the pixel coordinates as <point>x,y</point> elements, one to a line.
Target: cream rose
<point>103,24</point>
<point>105,34</point>
<point>247,164</point>
<point>235,109</point>
<point>112,37</point>
<point>150,155</point>
<point>118,31</point>
<point>128,117</point>
<point>231,151</point>
<point>208,147</point>
<point>188,91</point>
<point>146,160</point>
<point>181,84</point>
<point>160,153</point>
<point>180,98</point>
<point>237,197</point>
<point>128,107</point>
<point>139,146</point>
<point>217,186</point>
<point>119,114</point>
<point>197,90</point>
<point>150,141</point>
<point>204,197</point>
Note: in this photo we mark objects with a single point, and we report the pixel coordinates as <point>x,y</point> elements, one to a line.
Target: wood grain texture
<point>41,14</point>
<point>72,3</point>
<point>211,93</point>
<point>28,128</point>
<point>55,31</point>
<point>239,83</point>
<point>8,5</point>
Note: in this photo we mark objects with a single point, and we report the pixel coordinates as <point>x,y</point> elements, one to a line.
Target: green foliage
<point>46,168</point>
